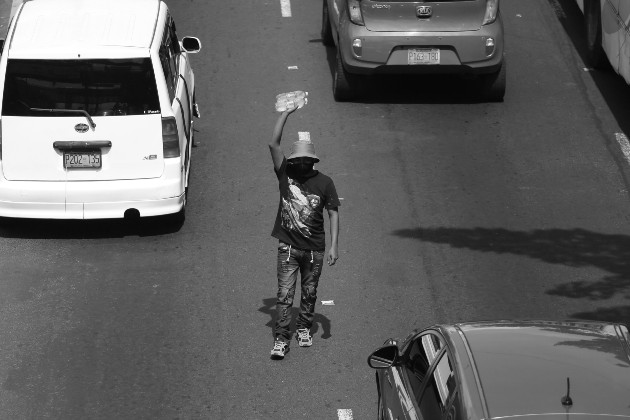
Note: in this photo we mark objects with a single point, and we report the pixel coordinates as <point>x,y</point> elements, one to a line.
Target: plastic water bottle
<point>289,100</point>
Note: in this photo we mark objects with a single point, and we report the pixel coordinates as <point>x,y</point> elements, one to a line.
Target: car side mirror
<point>191,44</point>
<point>384,357</point>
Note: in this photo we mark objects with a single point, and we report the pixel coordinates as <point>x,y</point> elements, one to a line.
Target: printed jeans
<point>309,264</point>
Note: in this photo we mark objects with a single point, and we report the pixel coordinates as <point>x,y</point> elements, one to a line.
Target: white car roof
<point>84,28</point>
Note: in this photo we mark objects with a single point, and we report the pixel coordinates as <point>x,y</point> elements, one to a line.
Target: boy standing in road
<point>299,228</point>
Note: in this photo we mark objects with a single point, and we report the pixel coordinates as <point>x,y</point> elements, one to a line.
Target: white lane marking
<point>304,136</point>
<point>344,414</point>
<point>622,139</point>
<point>328,302</point>
<point>285,7</point>
<point>293,67</point>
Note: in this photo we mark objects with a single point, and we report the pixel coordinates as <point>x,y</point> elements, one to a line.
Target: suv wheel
<point>327,38</point>
<point>493,84</point>
<point>592,17</point>
<point>344,83</point>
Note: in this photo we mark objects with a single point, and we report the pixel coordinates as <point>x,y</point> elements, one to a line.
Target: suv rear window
<point>100,87</point>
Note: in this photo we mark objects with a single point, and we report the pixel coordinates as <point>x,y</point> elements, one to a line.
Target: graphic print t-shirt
<point>300,218</point>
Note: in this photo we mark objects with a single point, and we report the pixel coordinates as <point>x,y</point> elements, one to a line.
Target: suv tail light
<point>492,8</point>
<point>170,137</point>
<point>354,11</point>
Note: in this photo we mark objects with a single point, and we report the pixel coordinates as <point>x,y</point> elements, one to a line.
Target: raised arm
<point>274,146</point>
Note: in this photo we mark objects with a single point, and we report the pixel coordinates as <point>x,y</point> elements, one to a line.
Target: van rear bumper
<point>90,200</point>
<point>103,210</point>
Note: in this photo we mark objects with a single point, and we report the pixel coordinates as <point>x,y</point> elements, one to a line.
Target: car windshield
<point>100,87</point>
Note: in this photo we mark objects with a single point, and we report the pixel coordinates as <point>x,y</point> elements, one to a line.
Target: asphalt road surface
<point>453,210</point>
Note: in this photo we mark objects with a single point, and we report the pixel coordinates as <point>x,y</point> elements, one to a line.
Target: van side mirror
<point>384,357</point>
<point>191,44</point>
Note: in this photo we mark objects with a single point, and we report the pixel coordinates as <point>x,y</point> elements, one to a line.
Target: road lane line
<point>622,139</point>
<point>344,414</point>
<point>285,8</point>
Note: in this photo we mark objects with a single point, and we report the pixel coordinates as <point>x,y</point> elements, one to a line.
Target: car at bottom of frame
<point>526,370</point>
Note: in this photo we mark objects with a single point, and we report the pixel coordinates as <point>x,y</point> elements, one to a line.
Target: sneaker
<point>280,349</point>
<point>304,338</point>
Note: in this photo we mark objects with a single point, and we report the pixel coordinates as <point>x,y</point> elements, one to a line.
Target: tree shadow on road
<point>613,314</point>
<point>269,308</point>
<point>570,247</point>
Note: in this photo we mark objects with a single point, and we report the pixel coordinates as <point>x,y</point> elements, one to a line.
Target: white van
<point>607,25</point>
<point>96,110</point>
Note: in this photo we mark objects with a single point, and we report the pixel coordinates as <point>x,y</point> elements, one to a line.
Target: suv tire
<point>327,37</point>
<point>345,84</point>
<point>493,84</point>
<point>592,18</point>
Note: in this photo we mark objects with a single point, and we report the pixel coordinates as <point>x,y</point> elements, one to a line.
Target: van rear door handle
<point>81,145</point>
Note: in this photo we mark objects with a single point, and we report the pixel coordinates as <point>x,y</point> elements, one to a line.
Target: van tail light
<point>354,11</point>
<point>492,9</point>
<point>170,137</point>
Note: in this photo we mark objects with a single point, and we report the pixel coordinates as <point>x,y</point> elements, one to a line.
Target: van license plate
<point>82,159</point>
<point>423,56</point>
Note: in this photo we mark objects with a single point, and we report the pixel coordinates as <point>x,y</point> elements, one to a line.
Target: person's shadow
<point>269,308</point>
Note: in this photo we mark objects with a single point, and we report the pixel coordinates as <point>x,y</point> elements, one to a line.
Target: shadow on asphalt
<point>269,308</point>
<point>613,88</point>
<point>412,89</point>
<point>87,229</point>
<point>571,247</point>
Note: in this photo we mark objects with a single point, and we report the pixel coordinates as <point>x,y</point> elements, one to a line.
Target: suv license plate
<point>82,159</point>
<point>423,56</point>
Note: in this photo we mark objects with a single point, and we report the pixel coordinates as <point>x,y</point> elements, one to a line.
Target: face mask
<point>300,169</point>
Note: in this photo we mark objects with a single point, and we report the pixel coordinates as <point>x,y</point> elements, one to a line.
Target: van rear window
<point>101,87</point>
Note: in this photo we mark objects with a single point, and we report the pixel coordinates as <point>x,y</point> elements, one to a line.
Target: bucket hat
<point>303,148</point>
